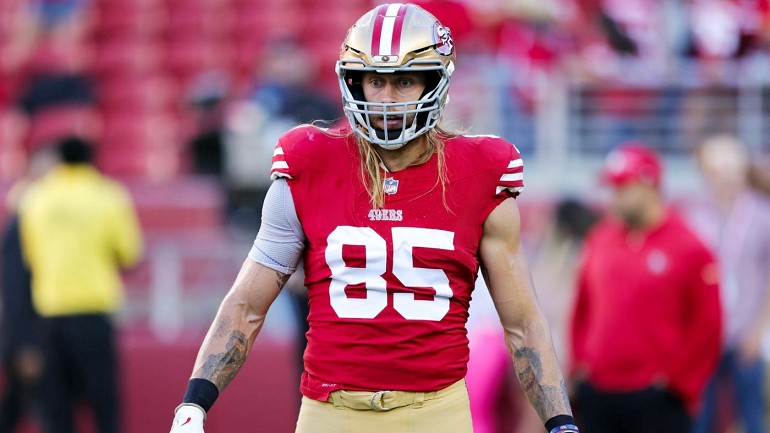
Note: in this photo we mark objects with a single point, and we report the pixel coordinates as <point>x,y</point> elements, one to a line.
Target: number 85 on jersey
<point>404,241</point>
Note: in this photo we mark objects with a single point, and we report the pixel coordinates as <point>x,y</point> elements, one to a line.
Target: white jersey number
<point>404,241</point>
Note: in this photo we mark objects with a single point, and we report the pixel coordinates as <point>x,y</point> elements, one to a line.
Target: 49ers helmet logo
<point>444,43</point>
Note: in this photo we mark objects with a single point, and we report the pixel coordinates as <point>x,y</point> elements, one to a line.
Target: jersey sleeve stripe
<point>279,168</point>
<point>512,177</point>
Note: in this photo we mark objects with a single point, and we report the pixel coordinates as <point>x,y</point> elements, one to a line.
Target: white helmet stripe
<point>387,37</point>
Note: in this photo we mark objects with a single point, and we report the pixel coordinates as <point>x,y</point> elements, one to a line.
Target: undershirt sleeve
<point>281,240</point>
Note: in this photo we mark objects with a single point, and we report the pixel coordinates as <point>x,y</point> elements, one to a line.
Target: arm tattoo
<point>281,279</point>
<point>221,368</point>
<point>547,400</point>
<point>223,328</point>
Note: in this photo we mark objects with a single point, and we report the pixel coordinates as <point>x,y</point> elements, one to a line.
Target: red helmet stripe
<point>379,17</point>
<point>386,35</point>
<point>397,27</point>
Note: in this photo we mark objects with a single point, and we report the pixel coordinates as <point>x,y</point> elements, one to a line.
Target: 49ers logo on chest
<point>386,215</point>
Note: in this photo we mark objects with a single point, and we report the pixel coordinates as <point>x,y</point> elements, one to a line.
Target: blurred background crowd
<point>184,100</point>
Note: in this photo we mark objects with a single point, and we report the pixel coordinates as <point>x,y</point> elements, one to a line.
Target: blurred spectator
<point>20,350</point>
<point>555,263</point>
<point>719,33</point>
<point>735,221</point>
<point>646,321</point>
<point>54,12</point>
<point>759,176</point>
<point>57,70</point>
<point>206,99</point>
<point>54,86</point>
<point>283,95</point>
<point>77,230</point>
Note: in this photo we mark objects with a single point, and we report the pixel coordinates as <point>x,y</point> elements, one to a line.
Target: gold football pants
<point>443,411</point>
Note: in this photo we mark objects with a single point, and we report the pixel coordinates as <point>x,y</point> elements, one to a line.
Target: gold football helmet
<point>392,38</point>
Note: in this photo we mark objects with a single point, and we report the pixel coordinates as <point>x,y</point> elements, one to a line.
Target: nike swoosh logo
<point>188,420</point>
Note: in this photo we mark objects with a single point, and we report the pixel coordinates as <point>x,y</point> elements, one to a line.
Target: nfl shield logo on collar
<point>390,186</point>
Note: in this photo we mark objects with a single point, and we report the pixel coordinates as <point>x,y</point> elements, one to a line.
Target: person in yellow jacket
<point>78,230</point>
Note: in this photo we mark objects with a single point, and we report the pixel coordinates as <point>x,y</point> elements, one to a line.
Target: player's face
<point>629,201</point>
<point>392,88</point>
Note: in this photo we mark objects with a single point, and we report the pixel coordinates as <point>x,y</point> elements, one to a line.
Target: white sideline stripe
<point>516,163</point>
<point>278,151</point>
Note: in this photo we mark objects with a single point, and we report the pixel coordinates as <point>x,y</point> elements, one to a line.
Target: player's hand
<point>188,419</point>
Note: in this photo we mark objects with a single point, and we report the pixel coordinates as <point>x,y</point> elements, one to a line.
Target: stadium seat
<point>184,204</point>
<point>184,56</point>
<point>124,92</point>
<point>129,18</point>
<point>127,54</point>
<point>184,21</point>
<point>122,161</point>
<point>52,123</point>
<point>219,21</point>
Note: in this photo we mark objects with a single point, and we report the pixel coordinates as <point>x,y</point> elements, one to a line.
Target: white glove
<point>188,419</point>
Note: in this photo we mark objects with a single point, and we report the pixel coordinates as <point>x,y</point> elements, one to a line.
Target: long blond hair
<point>372,174</point>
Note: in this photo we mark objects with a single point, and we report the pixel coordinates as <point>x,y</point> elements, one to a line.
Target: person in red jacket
<point>646,326</point>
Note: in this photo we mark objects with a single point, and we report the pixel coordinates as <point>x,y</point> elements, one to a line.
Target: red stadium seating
<point>52,123</point>
<point>122,55</point>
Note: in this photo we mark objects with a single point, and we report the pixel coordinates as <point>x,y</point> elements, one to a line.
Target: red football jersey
<point>389,288</point>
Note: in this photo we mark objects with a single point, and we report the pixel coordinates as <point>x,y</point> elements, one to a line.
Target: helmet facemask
<point>417,117</point>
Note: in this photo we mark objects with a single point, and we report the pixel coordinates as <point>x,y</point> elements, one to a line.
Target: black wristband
<point>559,421</point>
<point>201,392</point>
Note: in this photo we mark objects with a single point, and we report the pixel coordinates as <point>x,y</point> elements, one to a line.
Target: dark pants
<point>649,410</point>
<point>748,380</point>
<point>19,399</point>
<point>80,361</point>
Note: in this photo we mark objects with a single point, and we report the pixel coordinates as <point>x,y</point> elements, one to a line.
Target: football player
<point>393,217</point>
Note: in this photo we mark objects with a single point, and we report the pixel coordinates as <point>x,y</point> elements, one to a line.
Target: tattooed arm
<point>526,331</point>
<point>237,323</point>
<point>244,308</point>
